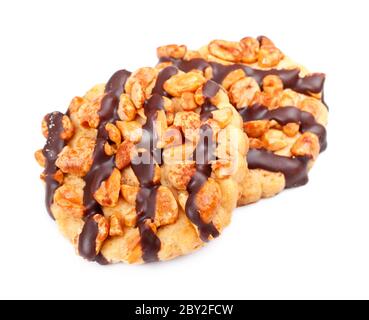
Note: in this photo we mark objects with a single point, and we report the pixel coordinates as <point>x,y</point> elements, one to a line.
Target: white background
<point>310,242</point>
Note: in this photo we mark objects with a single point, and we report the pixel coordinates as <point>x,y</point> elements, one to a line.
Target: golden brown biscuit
<point>147,167</point>
<point>281,104</point>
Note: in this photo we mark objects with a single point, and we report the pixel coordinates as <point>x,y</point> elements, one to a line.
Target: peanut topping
<point>223,116</point>
<point>257,128</point>
<point>71,199</point>
<point>256,143</point>
<point>129,193</point>
<point>250,49</point>
<point>208,200</point>
<point>40,158</point>
<point>291,129</point>
<point>126,109</point>
<point>113,132</point>
<point>75,104</point>
<point>189,122</point>
<point>312,106</point>
<point>226,50</point>
<point>116,225</point>
<point>145,77</point>
<point>233,77</point>
<point>172,51</point>
<point>137,94</point>
<point>103,230</point>
<point>288,98</point>
<point>243,91</point>
<point>76,160</point>
<point>269,56</point>
<point>272,85</point>
<point>131,130</point>
<point>124,154</point>
<point>187,101</point>
<point>306,145</point>
<point>88,115</point>
<point>183,82</point>
<point>108,193</point>
<point>179,175</point>
<point>274,140</point>
<point>166,211</point>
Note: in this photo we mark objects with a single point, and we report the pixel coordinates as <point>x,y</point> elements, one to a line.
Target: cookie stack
<point>150,165</point>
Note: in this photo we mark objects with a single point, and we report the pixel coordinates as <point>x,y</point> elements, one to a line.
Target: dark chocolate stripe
<point>146,205</point>
<point>163,76</point>
<point>54,145</point>
<point>143,167</point>
<point>87,242</point>
<point>313,83</point>
<point>187,65</point>
<point>117,81</point>
<point>205,149</point>
<point>206,111</point>
<point>149,138</point>
<point>87,239</point>
<point>294,169</point>
<point>102,165</point>
<point>286,115</point>
<point>209,91</point>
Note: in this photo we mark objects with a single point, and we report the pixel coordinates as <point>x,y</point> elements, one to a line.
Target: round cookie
<point>147,167</point>
<point>281,103</point>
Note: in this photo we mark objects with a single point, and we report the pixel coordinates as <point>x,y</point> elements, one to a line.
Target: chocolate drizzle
<point>102,165</point>
<point>87,239</point>
<point>87,242</point>
<point>209,91</point>
<point>205,149</point>
<point>203,155</point>
<point>144,168</point>
<point>163,76</point>
<point>294,169</point>
<point>286,115</point>
<point>290,77</point>
<point>187,65</point>
<point>150,137</point>
<point>54,145</point>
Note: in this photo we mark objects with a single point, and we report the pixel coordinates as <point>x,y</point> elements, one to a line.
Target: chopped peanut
<point>116,228</point>
<point>40,158</point>
<point>124,154</point>
<point>243,91</point>
<point>250,49</point>
<point>291,129</point>
<point>166,211</point>
<point>131,130</point>
<point>183,82</point>
<point>274,140</point>
<point>172,51</point>
<point>108,193</point>
<point>256,128</point>
<point>129,193</point>
<point>306,145</point>
<point>208,200</point>
<point>226,50</point>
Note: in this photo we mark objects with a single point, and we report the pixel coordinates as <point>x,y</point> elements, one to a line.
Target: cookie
<point>281,103</point>
<point>147,167</point>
